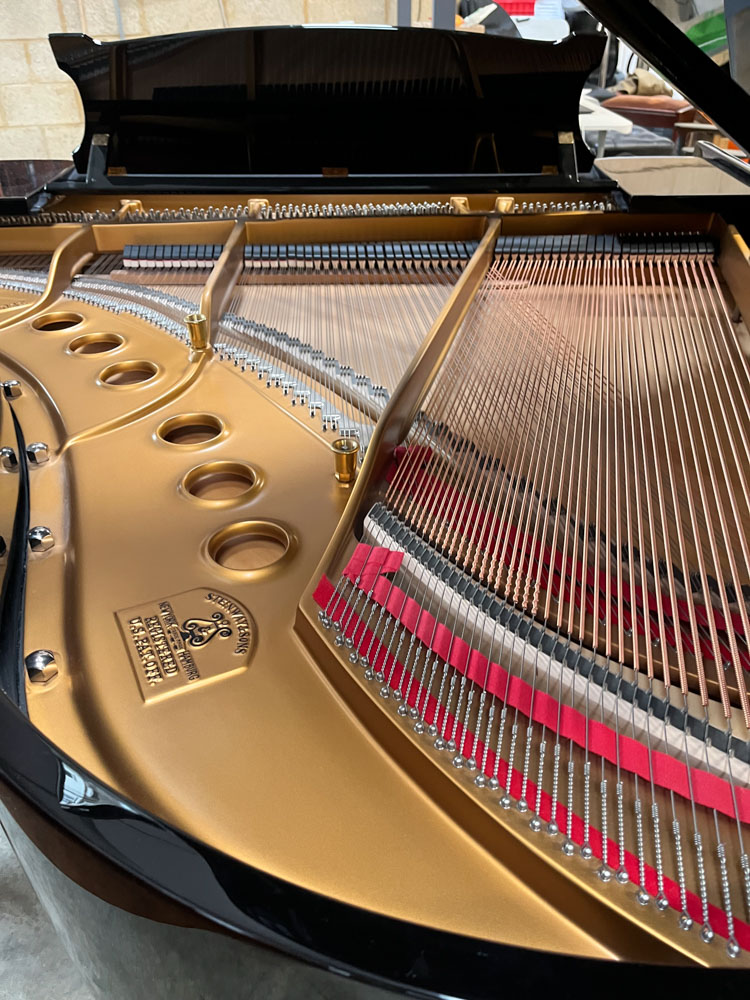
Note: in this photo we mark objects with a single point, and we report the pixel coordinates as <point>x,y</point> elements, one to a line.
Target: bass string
<point>588,442</point>
<point>395,491</point>
<point>607,426</point>
<point>461,486</point>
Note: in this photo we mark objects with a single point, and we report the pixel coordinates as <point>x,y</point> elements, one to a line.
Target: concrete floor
<point>173,963</point>
<point>33,963</point>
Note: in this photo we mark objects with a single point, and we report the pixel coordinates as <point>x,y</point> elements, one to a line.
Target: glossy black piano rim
<point>250,904</point>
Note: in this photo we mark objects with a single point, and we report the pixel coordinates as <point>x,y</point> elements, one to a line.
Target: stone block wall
<point>40,114</point>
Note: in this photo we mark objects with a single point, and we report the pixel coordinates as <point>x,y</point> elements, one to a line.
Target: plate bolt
<point>12,388</point>
<point>41,539</point>
<point>41,666</point>
<point>38,453</point>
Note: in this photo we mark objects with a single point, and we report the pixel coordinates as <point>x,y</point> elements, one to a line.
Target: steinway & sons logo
<point>180,641</point>
<point>198,631</point>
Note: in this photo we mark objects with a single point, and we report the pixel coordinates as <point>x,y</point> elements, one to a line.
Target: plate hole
<point>128,373</point>
<point>217,481</point>
<point>190,428</point>
<point>50,322</point>
<point>250,552</point>
<point>95,343</point>
<point>249,545</point>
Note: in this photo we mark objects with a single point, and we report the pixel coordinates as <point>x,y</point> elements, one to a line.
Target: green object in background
<point>710,34</point>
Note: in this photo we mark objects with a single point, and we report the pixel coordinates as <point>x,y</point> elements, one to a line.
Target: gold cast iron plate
<point>268,763</point>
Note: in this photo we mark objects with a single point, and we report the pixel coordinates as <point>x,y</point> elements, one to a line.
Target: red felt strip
<point>465,741</point>
<point>368,562</point>
<point>708,790</point>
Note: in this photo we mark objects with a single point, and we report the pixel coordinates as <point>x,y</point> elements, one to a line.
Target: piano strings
<point>334,327</point>
<point>553,586</point>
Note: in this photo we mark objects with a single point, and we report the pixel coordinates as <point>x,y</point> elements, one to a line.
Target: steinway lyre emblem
<point>200,631</point>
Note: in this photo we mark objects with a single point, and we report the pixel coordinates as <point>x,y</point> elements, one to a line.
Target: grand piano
<point>375,522</point>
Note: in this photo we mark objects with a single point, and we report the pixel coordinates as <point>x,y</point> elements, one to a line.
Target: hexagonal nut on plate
<point>41,666</point>
<point>8,459</point>
<point>12,388</point>
<point>38,453</point>
<point>40,539</point>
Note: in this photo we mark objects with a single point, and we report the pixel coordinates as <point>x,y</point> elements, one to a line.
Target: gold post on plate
<point>197,326</point>
<point>345,456</point>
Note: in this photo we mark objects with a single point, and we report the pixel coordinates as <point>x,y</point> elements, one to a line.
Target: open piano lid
<point>667,48</point>
<point>328,108</point>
